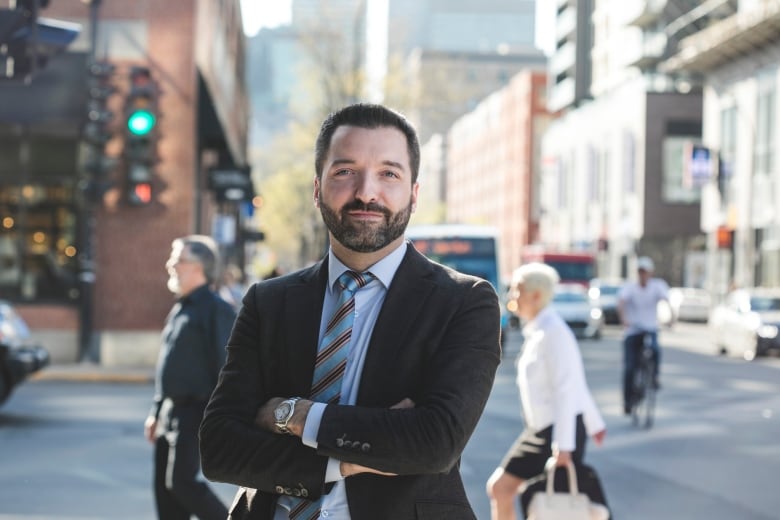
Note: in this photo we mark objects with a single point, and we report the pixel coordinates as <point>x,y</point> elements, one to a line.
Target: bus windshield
<point>470,255</point>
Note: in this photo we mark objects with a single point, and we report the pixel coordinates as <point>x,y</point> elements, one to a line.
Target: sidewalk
<point>95,373</point>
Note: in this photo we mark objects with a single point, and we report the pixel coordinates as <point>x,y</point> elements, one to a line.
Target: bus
<point>573,267</point>
<point>469,249</point>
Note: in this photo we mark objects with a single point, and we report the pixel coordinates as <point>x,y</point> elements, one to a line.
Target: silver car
<point>584,318</point>
<point>747,323</point>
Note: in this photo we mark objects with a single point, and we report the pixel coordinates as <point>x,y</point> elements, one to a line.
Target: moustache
<point>371,206</point>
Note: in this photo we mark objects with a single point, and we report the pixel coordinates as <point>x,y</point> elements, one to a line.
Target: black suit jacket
<point>436,341</point>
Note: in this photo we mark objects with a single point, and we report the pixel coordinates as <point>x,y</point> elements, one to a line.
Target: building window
<point>37,220</point>
<point>675,187</point>
<point>728,151</point>
<point>629,159</point>
<point>765,125</point>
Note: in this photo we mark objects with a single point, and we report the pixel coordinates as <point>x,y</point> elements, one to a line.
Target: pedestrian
<point>638,311</point>
<point>558,408</point>
<point>231,289</point>
<point>415,352</point>
<point>191,355</point>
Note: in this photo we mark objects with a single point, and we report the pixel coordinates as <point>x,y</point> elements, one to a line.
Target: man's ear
<point>316,192</point>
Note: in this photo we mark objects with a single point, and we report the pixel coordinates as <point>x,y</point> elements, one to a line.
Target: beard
<point>365,237</point>
<point>174,285</point>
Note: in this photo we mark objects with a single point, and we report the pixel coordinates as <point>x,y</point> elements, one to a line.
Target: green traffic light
<point>140,122</point>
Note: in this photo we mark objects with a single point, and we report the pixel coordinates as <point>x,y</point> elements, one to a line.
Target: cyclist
<point>637,308</point>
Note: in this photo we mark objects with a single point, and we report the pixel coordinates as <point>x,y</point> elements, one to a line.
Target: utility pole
<point>88,350</point>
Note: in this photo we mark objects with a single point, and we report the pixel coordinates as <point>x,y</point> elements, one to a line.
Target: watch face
<point>281,411</point>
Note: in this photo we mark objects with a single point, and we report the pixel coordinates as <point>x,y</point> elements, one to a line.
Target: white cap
<point>645,263</point>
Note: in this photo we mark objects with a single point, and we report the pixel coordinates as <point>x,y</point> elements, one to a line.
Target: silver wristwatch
<point>284,412</point>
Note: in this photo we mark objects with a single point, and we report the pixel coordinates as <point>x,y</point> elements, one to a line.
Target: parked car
<point>18,356</point>
<point>584,318</point>
<point>604,294</point>
<point>747,322</point>
<point>689,304</point>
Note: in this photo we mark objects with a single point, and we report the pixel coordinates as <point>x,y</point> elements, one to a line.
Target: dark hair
<point>204,250</point>
<point>366,115</point>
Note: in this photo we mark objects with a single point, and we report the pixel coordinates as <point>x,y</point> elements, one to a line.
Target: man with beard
<point>351,387</point>
<point>191,355</point>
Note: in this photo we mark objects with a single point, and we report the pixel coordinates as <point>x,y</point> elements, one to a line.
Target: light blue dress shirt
<point>368,303</point>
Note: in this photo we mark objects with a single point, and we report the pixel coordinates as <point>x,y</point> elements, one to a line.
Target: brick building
<point>112,310</point>
<point>492,156</point>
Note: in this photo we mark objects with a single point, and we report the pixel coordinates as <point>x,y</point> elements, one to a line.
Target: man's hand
<point>265,416</point>
<point>150,428</point>
<point>348,469</point>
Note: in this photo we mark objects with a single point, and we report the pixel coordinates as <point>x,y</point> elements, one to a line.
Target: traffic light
<point>95,164</point>
<point>26,41</point>
<point>141,114</point>
<point>100,88</point>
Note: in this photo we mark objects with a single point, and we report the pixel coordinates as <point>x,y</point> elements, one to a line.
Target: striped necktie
<point>331,363</point>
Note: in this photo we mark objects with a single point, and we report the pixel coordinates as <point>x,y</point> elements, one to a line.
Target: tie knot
<point>351,281</point>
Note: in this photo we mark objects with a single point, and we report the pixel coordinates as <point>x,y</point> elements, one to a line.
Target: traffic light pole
<point>88,349</point>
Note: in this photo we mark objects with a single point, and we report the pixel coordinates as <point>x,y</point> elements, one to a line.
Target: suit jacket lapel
<point>405,299</point>
<point>302,314</point>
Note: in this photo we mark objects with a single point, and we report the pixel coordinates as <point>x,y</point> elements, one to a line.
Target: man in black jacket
<point>191,355</point>
<point>421,355</point>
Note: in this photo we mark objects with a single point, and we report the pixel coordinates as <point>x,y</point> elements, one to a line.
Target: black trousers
<point>179,490</point>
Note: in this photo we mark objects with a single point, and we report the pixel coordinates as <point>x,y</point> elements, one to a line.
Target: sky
<point>271,13</point>
<point>264,13</point>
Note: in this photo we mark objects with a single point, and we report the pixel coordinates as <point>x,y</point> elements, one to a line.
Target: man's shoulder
<point>441,273</point>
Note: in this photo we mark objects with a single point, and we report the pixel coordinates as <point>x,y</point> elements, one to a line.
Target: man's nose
<point>367,188</point>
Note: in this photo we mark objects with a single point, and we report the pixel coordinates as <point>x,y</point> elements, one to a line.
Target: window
<point>37,220</point>
<point>675,189</point>
<point>728,150</point>
<point>765,125</point>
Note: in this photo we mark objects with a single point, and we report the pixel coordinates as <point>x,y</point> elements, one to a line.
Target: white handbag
<point>571,505</point>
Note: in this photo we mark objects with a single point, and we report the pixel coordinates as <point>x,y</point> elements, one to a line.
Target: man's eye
<point>342,172</point>
<point>390,174</point>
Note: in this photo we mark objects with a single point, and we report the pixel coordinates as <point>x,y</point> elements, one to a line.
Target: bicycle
<point>643,389</point>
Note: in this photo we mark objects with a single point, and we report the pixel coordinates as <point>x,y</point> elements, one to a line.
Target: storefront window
<point>37,219</point>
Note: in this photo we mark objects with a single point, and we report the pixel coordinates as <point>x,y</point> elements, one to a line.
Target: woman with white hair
<point>558,408</point>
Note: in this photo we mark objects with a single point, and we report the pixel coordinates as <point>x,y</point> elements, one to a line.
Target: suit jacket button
<point>304,492</point>
<point>366,447</point>
<point>296,492</point>
<point>280,490</point>
<point>339,443</point>
<point>287,491</point>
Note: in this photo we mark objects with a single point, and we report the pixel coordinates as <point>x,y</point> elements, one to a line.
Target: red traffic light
<point>140,194</point>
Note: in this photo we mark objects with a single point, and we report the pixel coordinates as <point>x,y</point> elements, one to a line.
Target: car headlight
<point>767,331</point>
<point>595,314</point>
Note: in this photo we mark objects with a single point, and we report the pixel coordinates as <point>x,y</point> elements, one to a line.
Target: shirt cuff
<point>312,425</point>
<point>333,471</point>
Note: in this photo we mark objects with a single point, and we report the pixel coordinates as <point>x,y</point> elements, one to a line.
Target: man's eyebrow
<point>339,162</point>
<point>393,164</point>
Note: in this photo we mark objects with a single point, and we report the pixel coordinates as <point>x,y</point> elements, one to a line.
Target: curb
<point>93,374</point>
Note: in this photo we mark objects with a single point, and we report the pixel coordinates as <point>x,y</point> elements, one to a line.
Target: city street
<point>76,450</point>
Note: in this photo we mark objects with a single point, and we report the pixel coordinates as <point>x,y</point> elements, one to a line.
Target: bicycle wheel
<point>638,387</point>
<point>646,407</point>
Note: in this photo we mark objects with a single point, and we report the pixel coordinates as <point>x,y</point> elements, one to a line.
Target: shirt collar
<point>384,270</point>
<point>538,320</point>
<point>196,294</point>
